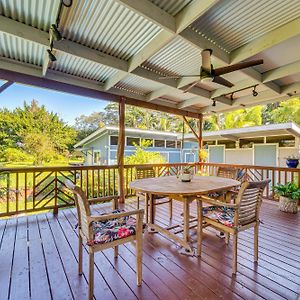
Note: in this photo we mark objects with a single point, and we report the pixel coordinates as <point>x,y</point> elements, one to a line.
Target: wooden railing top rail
<point>251,167</point>
<point>70,168</point>
<point>105,167</point>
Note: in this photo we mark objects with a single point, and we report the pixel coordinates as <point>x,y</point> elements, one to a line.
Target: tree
<point>287,111</point>
<point>141,156</point>
<point>40,147</point>
<point>34,122</point>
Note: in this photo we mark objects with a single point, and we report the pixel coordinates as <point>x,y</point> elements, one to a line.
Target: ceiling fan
<point>209,74</point>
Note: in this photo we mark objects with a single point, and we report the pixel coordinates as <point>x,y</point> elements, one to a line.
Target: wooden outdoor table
<point>185,192</point>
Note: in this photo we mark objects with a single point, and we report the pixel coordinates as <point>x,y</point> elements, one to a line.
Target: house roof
<point>96,134</point>
<point>289,128</point>
<point>114,48</point>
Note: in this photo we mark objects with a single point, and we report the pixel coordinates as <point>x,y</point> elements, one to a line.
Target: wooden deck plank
<point>19,286</point>
<point>38,255</point>
<point>216,281</point>
<point>6,257</point>
<point>59,285</point>
<point>255,287</point>
<point>39,282</point>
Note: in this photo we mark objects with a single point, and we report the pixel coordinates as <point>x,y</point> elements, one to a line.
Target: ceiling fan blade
<point>223,81</point>
<point>192,85</point>
<point>238,66</point>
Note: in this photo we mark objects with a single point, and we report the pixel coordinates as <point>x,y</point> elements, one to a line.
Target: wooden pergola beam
<point>5,85</point>
<point>68,84</point>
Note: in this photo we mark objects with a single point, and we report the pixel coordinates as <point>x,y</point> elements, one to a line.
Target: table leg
<point>151,212</point>
<point>186,220</point>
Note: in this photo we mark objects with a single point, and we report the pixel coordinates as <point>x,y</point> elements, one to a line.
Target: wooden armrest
<point>217,203</point>
<point>116,216</point>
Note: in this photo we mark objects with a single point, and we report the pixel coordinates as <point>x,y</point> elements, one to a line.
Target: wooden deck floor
<point>38,260</point>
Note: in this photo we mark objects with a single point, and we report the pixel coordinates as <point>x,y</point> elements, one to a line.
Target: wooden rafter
<point>69,84</point>
<point>5,85</point>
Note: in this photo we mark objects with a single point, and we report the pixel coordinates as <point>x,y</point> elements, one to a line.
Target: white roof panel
<point>233,23</point>
<point>108,26</point>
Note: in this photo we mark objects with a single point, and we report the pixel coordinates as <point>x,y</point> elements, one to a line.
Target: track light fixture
<point>55,33</point>
<point>254,92</point>
<point>67,3</point>
<point>51,55</point>
<point>231,96</point>
<point>214,103</point>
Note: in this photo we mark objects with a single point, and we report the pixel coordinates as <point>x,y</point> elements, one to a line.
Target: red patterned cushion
<point>221,214</point>
<point>110,230</point>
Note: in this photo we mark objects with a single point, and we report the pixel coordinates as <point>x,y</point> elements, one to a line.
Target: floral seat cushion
<point>114,229</point>
<point>221,214</point>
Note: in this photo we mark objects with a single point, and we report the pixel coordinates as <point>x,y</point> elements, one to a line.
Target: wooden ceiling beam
<point>182,20</point>
<point>32,75</point>
<point>5,85</point>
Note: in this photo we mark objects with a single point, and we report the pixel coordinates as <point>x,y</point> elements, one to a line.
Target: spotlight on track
<point>67,3</point>
<point>51,55</point>
<point>254,92</point>
<point>214,103</point>
<point>55,33</point>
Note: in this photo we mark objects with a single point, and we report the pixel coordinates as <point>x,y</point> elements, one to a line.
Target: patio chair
<point>149,172</point>
<point>106,231</point>
<point>233,218</point>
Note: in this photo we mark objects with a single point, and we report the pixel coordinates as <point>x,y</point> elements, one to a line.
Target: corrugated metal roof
<point>172,7</point>
<point>21,50</point>
<point>81,67</point>
<point>232,23</point>
<point>109,27</point>
<point>176,58</point>
<point>37,13</point>
<point>138,85</point>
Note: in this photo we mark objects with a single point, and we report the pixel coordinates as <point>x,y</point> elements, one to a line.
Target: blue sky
<point>67,106</point>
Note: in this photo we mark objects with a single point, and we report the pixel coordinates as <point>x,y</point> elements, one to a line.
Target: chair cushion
<point>114,229</point>
<point>221,214</point>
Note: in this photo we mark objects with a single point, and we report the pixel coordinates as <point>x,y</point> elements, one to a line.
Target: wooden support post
<point>120,152</point>
<point>200,139</point>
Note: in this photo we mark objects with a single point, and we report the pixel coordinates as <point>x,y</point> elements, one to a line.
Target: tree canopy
<point>35,131</point>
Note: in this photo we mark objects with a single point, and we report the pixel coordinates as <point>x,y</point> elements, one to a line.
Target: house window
<point>248,143</point>
<point>282,141</point>
<point>132,141</point>
<point>114,140</point>
<point>179,144</point>
<point>228,144</point>
<point>159,143</point>
<point>170,144</point>
<point>96,158</point>
<point>208,143</point>
<point>148,142</point>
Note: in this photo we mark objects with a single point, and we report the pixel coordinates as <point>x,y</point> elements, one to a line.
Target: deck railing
<point>277,175</point>
<point>25,190</point>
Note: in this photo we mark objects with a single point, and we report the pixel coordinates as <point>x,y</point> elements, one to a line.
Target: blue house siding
<point>99,145</point>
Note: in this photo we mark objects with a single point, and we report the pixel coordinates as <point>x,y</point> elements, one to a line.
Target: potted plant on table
<point>292,161</point>
<point>186,174</point>
<point>289,195</point>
